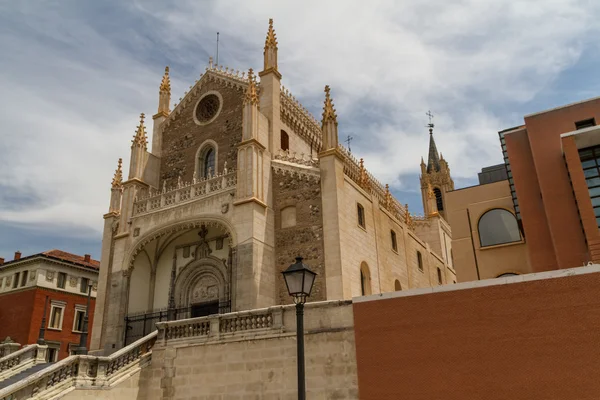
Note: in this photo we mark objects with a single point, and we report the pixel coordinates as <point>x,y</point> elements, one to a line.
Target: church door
<point>204,309</point>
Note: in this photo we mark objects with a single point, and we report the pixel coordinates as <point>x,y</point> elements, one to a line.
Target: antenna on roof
<point>217,48</point>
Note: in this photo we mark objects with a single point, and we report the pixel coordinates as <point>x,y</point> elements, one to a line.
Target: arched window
<point>394,241</point>
<point>285,141</point>
<point>419,260</point>
<point>206,162</point>
<point>440,280</point>
<point>498,226</point>
<point>397,286</point>
<point>438,199</point>
<point>365,279</point>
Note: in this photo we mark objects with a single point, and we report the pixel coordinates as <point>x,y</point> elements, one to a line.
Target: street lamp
<point>299,281</point>
<point>82,349</point>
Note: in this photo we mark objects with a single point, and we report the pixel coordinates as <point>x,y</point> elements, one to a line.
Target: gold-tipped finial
<point>251,95</point>
<point>165,85</point>
<point>271,40</point>
<point>328,110</point>
<point>140,139</point>
<point>118,178</point>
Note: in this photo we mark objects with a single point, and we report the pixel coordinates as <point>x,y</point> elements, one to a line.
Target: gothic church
<point>241,179</point>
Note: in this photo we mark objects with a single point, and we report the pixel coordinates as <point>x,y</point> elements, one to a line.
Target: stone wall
<point>183,136</point>
<point>305,237</point>
<point>258,363</point>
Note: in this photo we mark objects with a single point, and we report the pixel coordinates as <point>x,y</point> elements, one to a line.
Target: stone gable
<point>183,136</point>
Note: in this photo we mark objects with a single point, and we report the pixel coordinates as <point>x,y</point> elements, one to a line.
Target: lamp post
<point>299,281</point>
<point>41,339</point>
<point>82,349</point>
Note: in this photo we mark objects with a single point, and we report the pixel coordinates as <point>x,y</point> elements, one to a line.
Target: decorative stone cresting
<point>297,117</point>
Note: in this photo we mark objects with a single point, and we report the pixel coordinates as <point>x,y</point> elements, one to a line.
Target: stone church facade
<point>240,179</point>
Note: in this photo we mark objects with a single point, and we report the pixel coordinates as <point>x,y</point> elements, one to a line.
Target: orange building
<point>542,215</point>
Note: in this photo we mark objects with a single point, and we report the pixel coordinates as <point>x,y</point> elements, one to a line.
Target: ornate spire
<point>363,177</point>
<point>118,178</point>
<point>328,110</point>
<point>140,139</point>
<point>388,196</point>
<point>433,161</point>
<point>251,95</point>
<point>165,85</point>
<point>270,52</point>
<point>271,40</point>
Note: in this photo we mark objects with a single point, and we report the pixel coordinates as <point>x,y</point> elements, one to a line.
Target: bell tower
<point>435,178</point>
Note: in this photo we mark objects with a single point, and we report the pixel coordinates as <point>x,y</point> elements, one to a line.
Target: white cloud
<point>74,83</point>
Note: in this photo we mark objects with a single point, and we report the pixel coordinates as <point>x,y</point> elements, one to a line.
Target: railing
<point>221,325</point>
<point>82,371</point>
<point>294,158</point>
<point>184,192</point>
<point>21,360</point>
<point>140,324</point>
<point>7,347</point>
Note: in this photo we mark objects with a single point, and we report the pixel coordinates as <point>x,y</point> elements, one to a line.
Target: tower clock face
<point>207,108</point>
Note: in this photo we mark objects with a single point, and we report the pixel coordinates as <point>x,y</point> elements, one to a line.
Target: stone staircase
<point>21,362</point>
<point>54,381</point>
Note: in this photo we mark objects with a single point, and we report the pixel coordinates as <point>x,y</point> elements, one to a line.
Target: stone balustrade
<point>185,192</point>
<point>221,325</point>
<point>21,360</point>
<point>8,346</point>
<point>295,158</point>
<point>82,372</point>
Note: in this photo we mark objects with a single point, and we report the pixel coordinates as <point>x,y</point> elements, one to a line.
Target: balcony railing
<point>185,192</point>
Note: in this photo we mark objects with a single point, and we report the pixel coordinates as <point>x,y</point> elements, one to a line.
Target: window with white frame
<point>78,319</point>
<point>53,350</point>
<point>57,313</point>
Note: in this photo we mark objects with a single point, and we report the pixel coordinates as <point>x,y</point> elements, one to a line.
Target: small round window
<point>207,108</point>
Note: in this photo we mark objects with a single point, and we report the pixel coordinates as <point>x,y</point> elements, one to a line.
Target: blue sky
<point>76,74</point>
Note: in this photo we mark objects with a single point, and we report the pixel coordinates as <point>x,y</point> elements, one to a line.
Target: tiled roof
<point>74,258</point>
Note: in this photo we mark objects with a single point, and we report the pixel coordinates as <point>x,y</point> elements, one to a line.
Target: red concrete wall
<point>528,340</point>
<point>533,215</point>
<point>544,132</point>
<point>21,316</point>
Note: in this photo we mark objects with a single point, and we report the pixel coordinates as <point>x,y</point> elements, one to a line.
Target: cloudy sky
<point>75,74</point>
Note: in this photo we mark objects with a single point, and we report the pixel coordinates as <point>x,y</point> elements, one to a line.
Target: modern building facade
<point>55,281</point>
<point>240,179</point>
<point>542,214</point>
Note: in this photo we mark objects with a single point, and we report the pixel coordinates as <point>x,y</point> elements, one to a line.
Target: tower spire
<point>164,95</point>
<point>329,123</point>
<point>433,161</point>
<point>118,177</point>
<point>140,139</point>
<point>270,52</point>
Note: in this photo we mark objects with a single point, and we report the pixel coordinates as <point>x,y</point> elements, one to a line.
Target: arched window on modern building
<point>498,226</point>
<point>285,141</point>
<point>206,161</point>
<point>438,199</point>
<point>419,260</point>
<point>365,279</point>
<point>397,285</point>
<point>507,274</point>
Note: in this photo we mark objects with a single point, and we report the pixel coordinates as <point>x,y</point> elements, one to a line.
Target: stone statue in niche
<point>203,250</point>
<point>219,243</point>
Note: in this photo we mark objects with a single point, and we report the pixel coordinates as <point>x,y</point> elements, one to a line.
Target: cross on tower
<point>430,124</point>
<point>348,140</point>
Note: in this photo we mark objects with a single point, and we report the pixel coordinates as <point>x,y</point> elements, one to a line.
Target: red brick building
<point>552,193</point>
<point>62,278</point>
<point>524,337</point>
